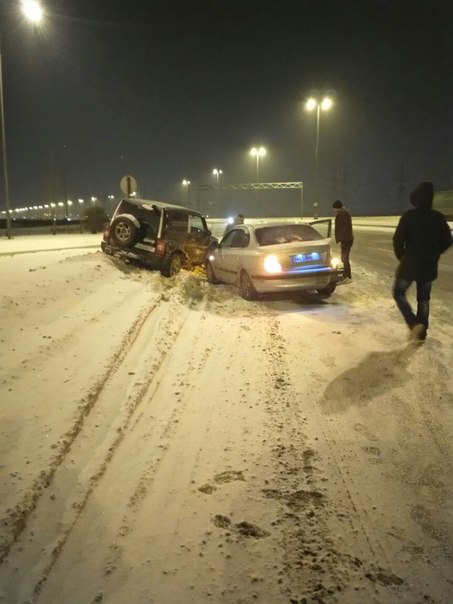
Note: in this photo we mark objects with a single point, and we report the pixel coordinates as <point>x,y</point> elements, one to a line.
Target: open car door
<point>323,226</point>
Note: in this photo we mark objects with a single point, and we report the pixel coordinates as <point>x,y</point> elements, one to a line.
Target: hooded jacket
<point>421,236</point>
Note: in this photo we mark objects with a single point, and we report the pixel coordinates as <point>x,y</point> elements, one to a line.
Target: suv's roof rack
<point>158,204</point>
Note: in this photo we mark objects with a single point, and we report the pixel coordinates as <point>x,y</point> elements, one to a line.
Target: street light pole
<point>186,183</point>
<point>217,174</point>
<point>301,199</point>
<point>316,198</point>
<point>324,104</point>
<point>33,13</point>
<point>258,152</point>
<point>5,163</point>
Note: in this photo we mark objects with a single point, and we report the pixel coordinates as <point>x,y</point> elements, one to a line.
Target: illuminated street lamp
<point>323,104</point>
<point>186,184</point>
<point>111,199</point>
<point>33,13</point>
<point>258,152</point>
<point>217,174</point>
<point>32,10</point>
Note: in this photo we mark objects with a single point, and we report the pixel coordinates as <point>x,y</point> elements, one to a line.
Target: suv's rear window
<point>144,213</point>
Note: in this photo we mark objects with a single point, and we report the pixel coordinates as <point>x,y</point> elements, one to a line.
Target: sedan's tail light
<point>160,247</point>
<point>272,265</point>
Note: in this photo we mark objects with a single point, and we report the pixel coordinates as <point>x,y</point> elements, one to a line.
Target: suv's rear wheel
<point>172,266</point>
<point>123,232</point>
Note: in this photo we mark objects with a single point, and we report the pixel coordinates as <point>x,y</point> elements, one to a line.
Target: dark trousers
<point>400,288</point>
<point>345,247</point>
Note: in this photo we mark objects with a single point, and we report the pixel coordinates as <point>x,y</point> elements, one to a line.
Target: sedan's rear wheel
<point>210,274</point>
<point>248,291</point>
<point>327,291</point>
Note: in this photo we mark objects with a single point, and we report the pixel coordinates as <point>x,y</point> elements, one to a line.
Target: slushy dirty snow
<point>164,441</point>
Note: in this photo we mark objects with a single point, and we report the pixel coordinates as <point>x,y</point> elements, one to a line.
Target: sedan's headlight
<point>272,265</point>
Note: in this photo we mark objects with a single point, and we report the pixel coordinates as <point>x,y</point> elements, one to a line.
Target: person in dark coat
<point>344,236</point>
<point>239,219</point>
<point>421,236</point>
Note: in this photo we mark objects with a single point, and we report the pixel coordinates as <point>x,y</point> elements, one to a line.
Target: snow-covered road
<point>164,441</point>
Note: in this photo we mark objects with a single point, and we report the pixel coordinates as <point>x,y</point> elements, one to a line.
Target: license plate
<point>300,258</point>
<point>146,248</point>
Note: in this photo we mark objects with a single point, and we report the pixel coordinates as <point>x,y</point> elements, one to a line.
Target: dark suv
<point>158,235</point>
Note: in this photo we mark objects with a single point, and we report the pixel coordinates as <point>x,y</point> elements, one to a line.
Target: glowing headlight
<point>272,265</point>
<point>335,262</point>
<point>211,257</point>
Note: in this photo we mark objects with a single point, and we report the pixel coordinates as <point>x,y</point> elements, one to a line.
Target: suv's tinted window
<point>176,222</point>
<point>197,224</point>
<point>125,207</point>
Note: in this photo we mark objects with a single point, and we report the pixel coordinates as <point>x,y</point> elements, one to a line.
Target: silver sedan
<point>275,257</point>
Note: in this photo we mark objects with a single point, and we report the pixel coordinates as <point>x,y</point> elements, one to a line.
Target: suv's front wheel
<point>123,231</point>
<point>172,266</point>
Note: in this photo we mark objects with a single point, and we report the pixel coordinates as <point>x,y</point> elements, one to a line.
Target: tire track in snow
<point>179,431</point>
<point>58,344</point>
<point>90,446</point>
<point>39,406</point>
<point>16,518</point>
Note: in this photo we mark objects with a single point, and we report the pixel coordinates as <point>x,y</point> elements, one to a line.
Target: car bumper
<point>293,282</point>
<point>150,261</point>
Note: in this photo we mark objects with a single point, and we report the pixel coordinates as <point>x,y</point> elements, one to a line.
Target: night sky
<point>170,89</point>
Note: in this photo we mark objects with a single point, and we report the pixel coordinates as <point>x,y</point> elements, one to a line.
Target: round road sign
<point>128,185</point>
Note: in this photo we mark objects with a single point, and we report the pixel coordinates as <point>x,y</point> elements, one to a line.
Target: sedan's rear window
<point>287,233</point>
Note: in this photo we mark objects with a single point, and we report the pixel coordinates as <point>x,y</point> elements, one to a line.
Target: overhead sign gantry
<point>258,186</point>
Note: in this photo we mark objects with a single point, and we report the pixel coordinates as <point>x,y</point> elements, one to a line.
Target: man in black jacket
<point>239,219</point>
<point>344,236</point>
<point>421,236</point>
